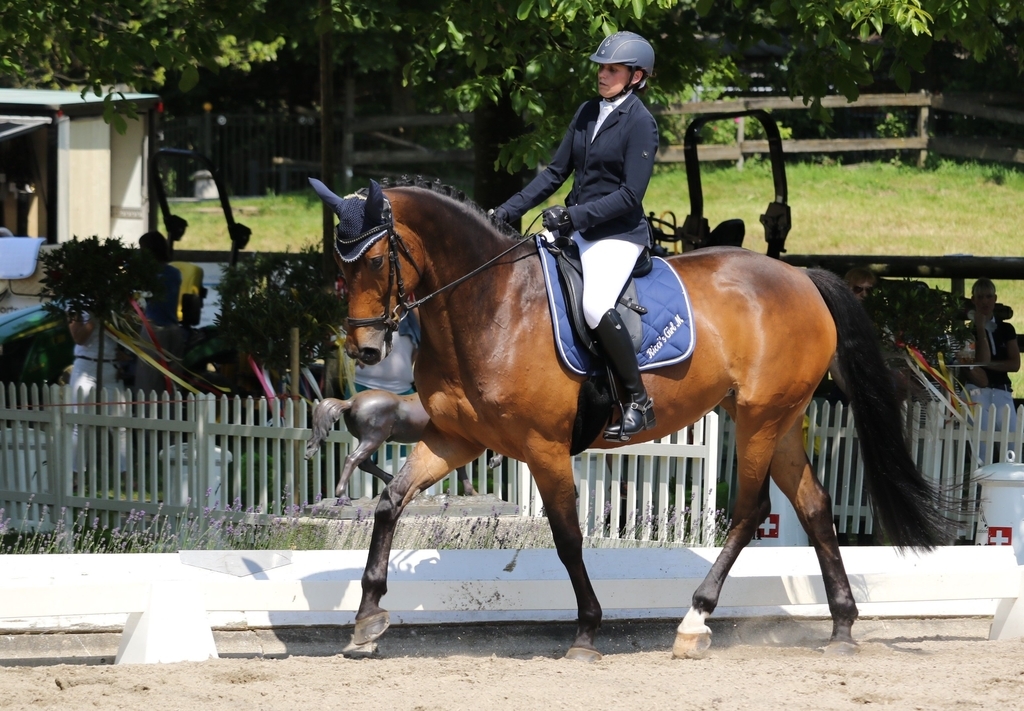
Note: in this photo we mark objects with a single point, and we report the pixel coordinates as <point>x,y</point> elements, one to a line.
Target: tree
<point>105,46</point>
<point>533,52</point>
<point>99,278</point>
<point>264,297</point>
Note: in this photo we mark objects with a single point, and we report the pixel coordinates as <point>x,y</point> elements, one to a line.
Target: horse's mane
<point>455,195</point>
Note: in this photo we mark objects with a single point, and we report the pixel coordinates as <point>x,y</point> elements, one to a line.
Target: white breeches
<point>607,264</point>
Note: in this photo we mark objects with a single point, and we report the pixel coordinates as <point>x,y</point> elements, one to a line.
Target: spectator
<point>996,356</point>
<point>4,232</point>
<point>861,281</point>
<point>162,314</point>
<point>84,372</point>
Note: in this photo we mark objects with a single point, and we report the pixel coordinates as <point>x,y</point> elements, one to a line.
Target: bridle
<point>396,245</point>
<point>403,304</point>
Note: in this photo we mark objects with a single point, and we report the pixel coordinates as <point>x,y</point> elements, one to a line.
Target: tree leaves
<point>264,297</point>
<point>95,276</point>
<point>907,312</point>
<point>189,78</point>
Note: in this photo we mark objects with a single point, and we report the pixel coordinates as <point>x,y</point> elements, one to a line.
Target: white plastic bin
<point>177,487</point>
<point>1001,522</point>
<point>782,527</point>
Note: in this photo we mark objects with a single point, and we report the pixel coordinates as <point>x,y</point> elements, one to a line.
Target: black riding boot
<point>637,407</point>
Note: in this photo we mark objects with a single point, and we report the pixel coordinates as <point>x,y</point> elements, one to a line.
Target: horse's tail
<point>325,414</point>
<point>906,506</point>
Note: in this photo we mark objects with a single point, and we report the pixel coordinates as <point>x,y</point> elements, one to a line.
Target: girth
<point>570,268</point>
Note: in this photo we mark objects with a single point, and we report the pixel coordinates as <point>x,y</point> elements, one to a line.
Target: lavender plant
<point>233,529</point>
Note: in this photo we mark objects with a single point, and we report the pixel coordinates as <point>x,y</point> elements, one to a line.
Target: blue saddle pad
<point>668,335</point>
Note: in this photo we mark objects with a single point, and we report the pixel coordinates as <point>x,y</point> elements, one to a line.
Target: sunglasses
<point>862,289</point>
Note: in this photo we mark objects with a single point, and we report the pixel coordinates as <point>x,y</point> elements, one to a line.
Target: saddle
<point>567,258</point>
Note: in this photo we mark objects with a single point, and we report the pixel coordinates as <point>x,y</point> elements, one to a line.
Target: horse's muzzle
<point>370,356</point>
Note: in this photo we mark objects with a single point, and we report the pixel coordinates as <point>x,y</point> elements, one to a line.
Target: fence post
<point>740,131</point>
<point>203,458</point>
<point>922,132</point>
<point>59,470</point>
<point>710,477</point>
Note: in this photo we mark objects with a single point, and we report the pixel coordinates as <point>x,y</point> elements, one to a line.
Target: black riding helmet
<point>629,49</point>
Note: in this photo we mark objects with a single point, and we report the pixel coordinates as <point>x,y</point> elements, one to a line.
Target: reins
<point>413,304</point>
<point>404,305</point>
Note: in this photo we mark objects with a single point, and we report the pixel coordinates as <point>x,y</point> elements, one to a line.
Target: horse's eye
<point>376,262</point>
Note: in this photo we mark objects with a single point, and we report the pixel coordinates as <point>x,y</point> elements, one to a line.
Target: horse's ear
<point>373,211</point>
<point>330,199</point>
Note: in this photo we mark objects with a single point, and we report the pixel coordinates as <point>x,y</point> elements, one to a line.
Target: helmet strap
<point>631,85</point>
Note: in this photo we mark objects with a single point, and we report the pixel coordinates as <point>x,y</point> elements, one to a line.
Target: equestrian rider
<point>609,148</point>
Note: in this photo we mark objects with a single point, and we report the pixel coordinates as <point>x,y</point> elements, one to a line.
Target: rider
<point>610,147</point>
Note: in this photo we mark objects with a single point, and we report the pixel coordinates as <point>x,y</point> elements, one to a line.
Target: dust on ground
<point>919,664</point>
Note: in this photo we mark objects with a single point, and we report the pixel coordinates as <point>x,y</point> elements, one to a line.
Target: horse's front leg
<point>558,491</point>
<point>357,456</point>
<point>430,461</point>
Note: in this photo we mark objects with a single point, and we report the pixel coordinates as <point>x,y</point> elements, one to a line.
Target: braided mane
<point>453,193</point>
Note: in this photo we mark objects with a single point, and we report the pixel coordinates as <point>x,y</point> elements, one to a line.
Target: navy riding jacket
<point>611,173</point>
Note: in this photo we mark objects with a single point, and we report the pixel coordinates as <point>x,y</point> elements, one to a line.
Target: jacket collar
<point>613,118</point>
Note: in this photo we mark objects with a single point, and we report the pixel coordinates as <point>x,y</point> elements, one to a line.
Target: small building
<point>65,172</point>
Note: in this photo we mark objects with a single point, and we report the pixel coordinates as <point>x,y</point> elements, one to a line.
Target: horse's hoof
<point>359,651</point>
<point>370,628</point>
<point>691,645</point>
<point>841,648</point>
<point>583,654</point>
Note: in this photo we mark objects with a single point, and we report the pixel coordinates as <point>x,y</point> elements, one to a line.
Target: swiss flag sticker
<point>1000,535</point>
<point>770,527</point>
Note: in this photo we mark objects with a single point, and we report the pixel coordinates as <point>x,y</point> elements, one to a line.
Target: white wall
<point>128,202</point>
<point>89,178</point>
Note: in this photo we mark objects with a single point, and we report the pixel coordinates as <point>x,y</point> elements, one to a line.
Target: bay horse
<point>489,376</point>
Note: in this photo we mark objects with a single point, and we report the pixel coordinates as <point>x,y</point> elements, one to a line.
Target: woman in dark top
<point>609,150</point>
<point>996,356</point>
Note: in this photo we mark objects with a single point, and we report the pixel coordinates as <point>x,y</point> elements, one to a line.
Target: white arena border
<point>168,603</point>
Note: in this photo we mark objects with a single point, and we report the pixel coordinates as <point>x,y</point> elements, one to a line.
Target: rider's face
<point>613,78</point>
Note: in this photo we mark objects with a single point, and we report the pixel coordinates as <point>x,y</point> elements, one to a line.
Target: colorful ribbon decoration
<point>155,341</point>
<point>959,407</point>
<point>129,343</point>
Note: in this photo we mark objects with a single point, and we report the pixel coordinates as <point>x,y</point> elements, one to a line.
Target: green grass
<point>865,208</point>
<point>279,223</point>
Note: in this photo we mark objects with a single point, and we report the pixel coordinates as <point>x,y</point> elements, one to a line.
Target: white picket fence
<point>191,457</point>
<point>239,457</point>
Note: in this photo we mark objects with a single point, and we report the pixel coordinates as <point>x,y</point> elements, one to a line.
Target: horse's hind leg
<point>430,461</point>
<point>755,446</point>
<point>792,472</point>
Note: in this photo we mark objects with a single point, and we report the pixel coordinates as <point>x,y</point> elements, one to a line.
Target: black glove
<point>498,215</point>
<point>556,220</point>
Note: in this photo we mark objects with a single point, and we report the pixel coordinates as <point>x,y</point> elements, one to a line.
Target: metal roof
<point>11,126</point>
<point>57,100</point>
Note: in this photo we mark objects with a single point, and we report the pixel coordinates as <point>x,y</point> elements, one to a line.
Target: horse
<point>374,417</point>
<point>489,376</point>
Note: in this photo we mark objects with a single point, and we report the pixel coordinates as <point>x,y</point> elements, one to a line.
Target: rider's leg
<point>637,406</point>
<point>607,265</point>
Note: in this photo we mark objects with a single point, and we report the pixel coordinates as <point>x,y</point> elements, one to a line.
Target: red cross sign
<point>1000,535</point>
<point>770,527</point>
